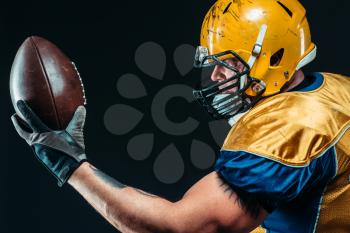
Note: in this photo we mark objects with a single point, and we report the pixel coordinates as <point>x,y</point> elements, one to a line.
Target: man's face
<point>221,73</point>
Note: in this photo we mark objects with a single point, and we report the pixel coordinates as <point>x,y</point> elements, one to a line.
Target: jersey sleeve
<point>271,182</point>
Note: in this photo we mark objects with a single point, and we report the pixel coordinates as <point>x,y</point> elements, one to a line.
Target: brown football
<point>47,80</point>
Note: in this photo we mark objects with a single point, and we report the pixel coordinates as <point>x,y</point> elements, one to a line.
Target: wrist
<point>79,173</point>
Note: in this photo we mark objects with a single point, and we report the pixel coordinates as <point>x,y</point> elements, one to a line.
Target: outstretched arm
<point>208,206</point>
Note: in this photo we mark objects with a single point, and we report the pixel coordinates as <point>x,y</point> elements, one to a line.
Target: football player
<point>284,164</point>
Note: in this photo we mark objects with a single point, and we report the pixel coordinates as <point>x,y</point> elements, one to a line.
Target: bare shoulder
<point>211,205</point>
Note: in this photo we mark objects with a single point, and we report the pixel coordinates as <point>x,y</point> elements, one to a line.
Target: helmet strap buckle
<point>257,50</point>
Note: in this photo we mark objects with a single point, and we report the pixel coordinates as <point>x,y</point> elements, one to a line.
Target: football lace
<point>81,83</point>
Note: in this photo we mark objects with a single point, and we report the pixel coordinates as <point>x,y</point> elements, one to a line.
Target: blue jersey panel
<point>294,193</point>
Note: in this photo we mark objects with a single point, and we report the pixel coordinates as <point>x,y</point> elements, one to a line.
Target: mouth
<point>222,106</point>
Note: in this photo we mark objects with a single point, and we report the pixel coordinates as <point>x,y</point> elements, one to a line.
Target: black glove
<point>61,152</point>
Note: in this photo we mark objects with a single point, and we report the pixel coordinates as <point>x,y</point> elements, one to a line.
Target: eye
<point>235,63</point>
<point>231,62</point>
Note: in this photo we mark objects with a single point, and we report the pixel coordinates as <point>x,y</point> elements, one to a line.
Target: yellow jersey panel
<point>295,127</point>
<point>334,211</point>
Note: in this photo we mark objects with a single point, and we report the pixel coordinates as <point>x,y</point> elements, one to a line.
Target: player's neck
<point>297,78</point>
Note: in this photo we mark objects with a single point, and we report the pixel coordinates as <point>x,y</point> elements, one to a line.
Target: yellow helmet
<point>271,38</point>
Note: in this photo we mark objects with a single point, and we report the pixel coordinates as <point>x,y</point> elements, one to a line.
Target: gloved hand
<point>61,152</point>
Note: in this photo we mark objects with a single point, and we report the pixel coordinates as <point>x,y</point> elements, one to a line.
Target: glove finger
<point>31,118</point>
<point>24,134</point>
<point>78,120</point>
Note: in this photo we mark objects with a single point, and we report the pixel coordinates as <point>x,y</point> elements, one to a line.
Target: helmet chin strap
<point>255,53</point>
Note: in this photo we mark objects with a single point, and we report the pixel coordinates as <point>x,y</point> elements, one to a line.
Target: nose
<point>218,74</point>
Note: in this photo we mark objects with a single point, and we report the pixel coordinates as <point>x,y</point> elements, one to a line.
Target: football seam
<point>48,83</point>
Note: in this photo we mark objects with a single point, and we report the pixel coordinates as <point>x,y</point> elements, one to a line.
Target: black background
<point>101,37</point>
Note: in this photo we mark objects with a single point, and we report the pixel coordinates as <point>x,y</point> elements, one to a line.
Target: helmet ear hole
<point>276,58</point>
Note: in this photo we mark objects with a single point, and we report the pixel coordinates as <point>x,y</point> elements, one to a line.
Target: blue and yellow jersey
<point>292,152</point>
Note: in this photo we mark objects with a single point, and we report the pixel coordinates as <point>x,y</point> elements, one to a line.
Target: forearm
<point>126,208</point>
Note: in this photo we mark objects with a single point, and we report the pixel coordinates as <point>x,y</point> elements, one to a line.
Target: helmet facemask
<point>227,98</point>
